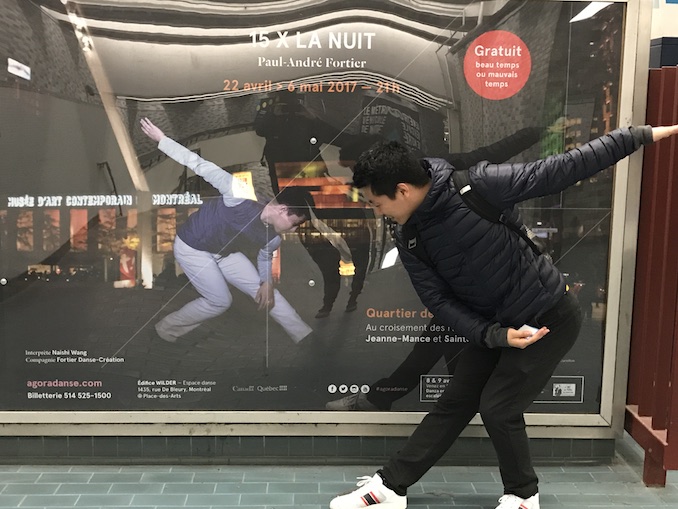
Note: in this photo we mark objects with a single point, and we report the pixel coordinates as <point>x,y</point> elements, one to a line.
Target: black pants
<point>407,376</point>
<point>327,257</point>
<point>501,384</point>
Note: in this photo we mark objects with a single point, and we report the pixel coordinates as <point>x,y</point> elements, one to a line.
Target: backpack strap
<point>479,205</point>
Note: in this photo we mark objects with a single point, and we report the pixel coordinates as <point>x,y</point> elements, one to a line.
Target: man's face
<point>284,222</point>
<point>398,209</point>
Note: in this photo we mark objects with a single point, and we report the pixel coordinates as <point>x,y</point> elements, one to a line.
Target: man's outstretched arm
<point>505,185</point>
<point>223,181</point>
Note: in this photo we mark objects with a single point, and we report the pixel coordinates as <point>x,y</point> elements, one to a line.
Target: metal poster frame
<point>607,424</point>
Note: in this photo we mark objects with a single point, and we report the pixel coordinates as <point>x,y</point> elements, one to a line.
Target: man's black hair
<point>385,165</point>
<point>297,199</point>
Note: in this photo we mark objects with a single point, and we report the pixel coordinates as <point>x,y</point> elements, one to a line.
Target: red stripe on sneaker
<point>523,507</point>
<point>370,499</point>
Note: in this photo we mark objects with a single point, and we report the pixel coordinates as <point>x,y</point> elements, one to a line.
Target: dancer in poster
<point>484,281</point>
<point>210,246</point>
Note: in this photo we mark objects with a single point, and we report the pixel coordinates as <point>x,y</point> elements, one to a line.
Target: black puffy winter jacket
<point>480,277</point>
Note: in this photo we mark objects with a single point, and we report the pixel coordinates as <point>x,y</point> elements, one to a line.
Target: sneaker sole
<point>389,505</point>
<point>399,504</point>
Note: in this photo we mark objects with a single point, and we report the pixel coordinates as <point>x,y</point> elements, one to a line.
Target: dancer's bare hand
<point>151,130</point>
<point>264,297</point>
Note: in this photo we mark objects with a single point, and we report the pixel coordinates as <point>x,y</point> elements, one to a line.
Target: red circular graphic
<point>497,65</point>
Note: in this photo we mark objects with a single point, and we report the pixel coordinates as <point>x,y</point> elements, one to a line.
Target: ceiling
<point>195,22</point>
<point>185,48</point>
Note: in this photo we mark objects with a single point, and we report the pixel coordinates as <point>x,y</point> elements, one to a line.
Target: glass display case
<point>99,321</point>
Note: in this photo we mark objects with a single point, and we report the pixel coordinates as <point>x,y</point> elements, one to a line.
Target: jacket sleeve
<point>505,185</point>
<point>232,190</point>
<point>265,260</point>
<point>438,298</point>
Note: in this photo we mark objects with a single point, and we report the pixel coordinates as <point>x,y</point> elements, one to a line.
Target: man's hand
<point>264,297</point>
<point>659,133</point>
<point>524,338</point>
<point>151,130</point>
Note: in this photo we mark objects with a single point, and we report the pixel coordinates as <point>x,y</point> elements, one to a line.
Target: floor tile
<point>312,487</point>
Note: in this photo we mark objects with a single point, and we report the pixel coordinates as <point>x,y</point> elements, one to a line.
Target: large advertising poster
<point>177,275</point>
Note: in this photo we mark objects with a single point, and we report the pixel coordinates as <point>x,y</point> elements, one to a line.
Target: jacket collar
<point>440,172</point>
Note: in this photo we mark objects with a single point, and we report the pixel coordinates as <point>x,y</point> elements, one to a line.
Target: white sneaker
<point>513,502</point>
<point>371,491</point>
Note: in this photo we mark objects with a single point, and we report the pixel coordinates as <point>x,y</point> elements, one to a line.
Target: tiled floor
<point>312,487</point>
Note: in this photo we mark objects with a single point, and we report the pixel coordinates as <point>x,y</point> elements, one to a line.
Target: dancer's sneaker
<point>357,401</point>
<point>514,502</point>
<point>371,491</point>
<point>155,332</point>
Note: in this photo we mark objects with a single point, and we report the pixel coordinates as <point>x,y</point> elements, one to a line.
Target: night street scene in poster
<point>97,311</point>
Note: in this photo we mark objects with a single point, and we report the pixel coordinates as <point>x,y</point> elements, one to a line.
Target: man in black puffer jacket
<point>484,281</point>
<point>424,355</point>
